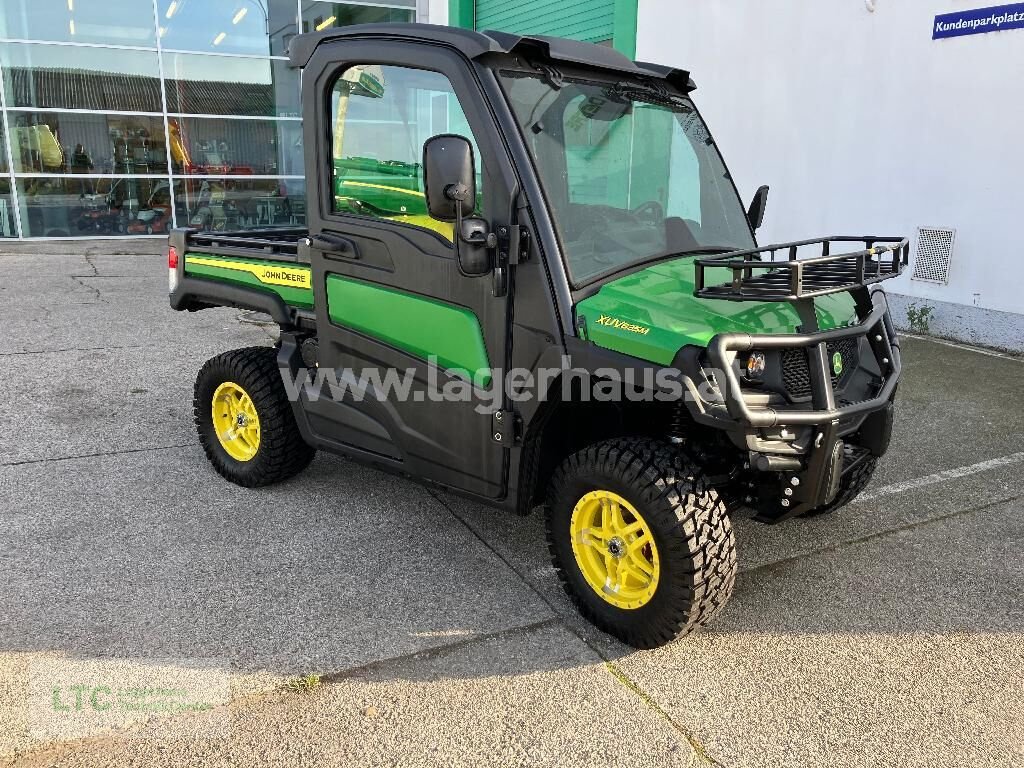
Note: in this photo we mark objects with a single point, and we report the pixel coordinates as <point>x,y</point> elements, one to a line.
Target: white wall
<point>433,11</point>
<point>861,123</point>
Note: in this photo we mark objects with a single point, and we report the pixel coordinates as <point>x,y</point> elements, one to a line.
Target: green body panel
<point>652,313</point>
<point>418,325</point>
<point>233,271</point>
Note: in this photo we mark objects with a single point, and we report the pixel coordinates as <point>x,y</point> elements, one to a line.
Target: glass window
<point>67,206</point>
<point>317,15</point>
<point>3,147</point>
<point>7,228</point>
<point>70,77</point>
<point>115,22</point>
<point>631,172</point>
<point>259,27</point>
<point>239,203</point>
<point>214,147</point>
<point>75,142</point>
<point>225,85</point>
<point>381,115</point>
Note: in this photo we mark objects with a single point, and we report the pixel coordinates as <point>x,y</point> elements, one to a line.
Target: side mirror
<point>755,213</point>
<point>449,182</point>
<point>449,175</point>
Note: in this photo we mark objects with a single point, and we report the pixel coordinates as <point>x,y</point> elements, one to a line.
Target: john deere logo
<point>837,363</point>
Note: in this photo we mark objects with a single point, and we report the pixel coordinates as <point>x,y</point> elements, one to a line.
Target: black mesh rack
<point>759,274</point>
<point>273,241</point>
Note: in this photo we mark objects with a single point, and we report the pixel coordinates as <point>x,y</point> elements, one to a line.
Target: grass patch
<point>303,683</point>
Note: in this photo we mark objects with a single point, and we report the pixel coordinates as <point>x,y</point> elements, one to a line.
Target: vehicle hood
<point>652,313</point>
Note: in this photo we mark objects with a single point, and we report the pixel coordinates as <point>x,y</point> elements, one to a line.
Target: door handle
<point>340,246</point>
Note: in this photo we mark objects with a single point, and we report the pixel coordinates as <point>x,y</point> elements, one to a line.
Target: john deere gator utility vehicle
<point>481,204</point>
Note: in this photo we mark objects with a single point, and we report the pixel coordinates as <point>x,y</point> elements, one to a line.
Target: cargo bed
<point>261,270</point>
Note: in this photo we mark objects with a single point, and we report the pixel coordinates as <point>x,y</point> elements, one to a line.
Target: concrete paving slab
<point>86,401</point>
<point>955,407</point>
<point>53,303</point>
<point>141,322</point>
<point>907,650</point>
<point>868,637</point>
<point>26,278</point>
<point>536,698</point>
<point>152,555</point>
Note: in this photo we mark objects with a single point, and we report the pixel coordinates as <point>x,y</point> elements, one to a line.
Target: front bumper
<point>811,462</point>
<point>876,328</point>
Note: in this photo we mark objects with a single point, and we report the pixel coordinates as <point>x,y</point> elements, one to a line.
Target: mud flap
<point>833,473</point>
<point>876,431</point>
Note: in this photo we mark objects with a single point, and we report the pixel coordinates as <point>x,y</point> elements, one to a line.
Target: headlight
<point>754,366</point>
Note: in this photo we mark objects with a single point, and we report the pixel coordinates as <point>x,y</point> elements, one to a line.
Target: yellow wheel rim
<point>236,422</point>
<point>615,549</point>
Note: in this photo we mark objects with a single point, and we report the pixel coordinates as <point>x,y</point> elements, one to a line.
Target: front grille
<point>796,375</point>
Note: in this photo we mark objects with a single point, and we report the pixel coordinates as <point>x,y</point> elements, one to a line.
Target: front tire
<point>640,541</point>
<point>245,421</point>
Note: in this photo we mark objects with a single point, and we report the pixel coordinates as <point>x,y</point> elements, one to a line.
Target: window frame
<point>497,173</point>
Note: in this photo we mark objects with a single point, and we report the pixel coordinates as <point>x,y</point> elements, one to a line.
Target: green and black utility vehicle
<point>484,207</point>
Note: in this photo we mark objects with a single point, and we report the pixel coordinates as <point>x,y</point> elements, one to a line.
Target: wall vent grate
<point>934,251</point>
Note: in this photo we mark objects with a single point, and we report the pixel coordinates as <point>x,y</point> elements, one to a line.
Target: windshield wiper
<point>706,249</point>
<point>649,92</point>
<point>552,75</point>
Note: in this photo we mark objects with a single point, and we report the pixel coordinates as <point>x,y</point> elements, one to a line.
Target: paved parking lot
<point>890,634</point>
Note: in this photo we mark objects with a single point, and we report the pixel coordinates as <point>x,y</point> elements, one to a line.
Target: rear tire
<point>693,553</point>
<point>852,483</point>
<point>272,452</point>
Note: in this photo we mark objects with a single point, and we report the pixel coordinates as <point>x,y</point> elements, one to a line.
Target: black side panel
<point>195,293</point>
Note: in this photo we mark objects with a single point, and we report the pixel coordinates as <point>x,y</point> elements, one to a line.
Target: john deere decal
<point>270,274</point>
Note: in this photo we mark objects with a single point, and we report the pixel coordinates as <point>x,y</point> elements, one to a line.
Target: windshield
<point>630,172</point>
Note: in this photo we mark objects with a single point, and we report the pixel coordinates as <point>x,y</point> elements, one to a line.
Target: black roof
<point>474,44</point>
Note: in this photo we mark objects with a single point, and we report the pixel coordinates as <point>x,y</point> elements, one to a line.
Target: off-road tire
<point>689,524</point>
<point>282,453</point>
<point>851,485</point>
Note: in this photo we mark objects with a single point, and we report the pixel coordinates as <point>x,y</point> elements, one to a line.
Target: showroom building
<point>127,117</point>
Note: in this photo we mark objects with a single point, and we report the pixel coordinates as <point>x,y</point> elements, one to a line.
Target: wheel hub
<point>615,549</point>
<point>235,421</point>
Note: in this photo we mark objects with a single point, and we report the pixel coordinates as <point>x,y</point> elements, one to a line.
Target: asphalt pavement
<point>891,633</point>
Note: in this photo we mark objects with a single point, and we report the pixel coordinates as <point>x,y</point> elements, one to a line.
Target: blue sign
<point>979,21</point>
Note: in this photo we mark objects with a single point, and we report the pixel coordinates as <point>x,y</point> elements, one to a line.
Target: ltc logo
<point>837,364</point>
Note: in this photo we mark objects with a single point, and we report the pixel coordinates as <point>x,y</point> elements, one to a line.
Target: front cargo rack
<point>757,275</point>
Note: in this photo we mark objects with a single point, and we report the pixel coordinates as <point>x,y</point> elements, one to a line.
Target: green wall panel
<point>589,20</point>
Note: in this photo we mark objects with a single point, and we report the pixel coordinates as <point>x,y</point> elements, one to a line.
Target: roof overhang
<point>474,44</point>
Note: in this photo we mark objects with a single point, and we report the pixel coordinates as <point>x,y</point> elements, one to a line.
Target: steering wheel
<point>652,210</point>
